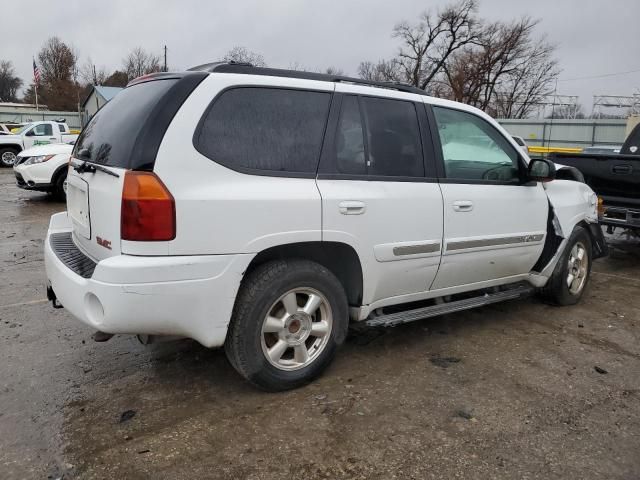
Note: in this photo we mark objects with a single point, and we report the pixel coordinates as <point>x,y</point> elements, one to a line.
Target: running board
<point>398,318</point>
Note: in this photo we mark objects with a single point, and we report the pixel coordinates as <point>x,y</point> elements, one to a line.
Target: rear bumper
<point>190,296</point>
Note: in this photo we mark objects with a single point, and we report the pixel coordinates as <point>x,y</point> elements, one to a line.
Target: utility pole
<point>165,58</point>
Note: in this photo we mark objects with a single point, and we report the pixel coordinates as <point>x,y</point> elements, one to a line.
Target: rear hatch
<point>124,135</point>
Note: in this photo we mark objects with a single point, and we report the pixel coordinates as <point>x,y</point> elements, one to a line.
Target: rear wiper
<point>87,167</point>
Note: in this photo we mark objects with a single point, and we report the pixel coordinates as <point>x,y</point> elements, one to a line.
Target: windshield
<point>21,129</point>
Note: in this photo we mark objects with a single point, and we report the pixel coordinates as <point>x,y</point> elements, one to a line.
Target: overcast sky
<point>593,37</point>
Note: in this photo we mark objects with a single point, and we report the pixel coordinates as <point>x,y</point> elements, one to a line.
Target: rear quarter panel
<point>221,211</point>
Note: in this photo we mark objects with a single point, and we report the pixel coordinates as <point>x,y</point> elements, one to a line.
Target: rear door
<point>123,135</point>
<point>494,221</point>
<point>377,195</point>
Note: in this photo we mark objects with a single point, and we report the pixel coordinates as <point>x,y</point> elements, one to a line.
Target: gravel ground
<point>514,390</point>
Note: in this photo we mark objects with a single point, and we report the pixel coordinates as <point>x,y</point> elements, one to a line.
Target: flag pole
<point>35,82</point>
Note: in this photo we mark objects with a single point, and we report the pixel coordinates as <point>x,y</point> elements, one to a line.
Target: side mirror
<point>541,170</point>
<point>30,133</point>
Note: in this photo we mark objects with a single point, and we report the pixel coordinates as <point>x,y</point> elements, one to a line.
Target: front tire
<point>8,156</point>
<point>289,318</point>
<point>571,275</point>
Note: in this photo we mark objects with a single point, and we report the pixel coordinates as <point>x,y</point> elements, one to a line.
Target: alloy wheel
<point>296,329</point>
<point>577,269</point>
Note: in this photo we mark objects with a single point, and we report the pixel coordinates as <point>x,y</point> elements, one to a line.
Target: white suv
<point>265,209</point>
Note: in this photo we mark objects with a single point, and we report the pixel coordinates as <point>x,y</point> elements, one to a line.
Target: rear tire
<point>571,275</point>
<point>289,318</point>
<point>8,156</point>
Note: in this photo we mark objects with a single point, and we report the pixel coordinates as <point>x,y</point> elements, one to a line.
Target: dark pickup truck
<point>616,180</point>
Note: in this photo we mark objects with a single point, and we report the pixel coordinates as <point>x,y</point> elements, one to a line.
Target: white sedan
<point>43,168</point>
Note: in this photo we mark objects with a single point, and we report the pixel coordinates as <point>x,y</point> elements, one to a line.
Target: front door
<point>375,194</point>
<point>494,221</point>
<point>41,134</point>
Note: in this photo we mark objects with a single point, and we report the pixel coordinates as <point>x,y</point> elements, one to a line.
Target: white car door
<point>494,219</point>
<point>375,194</point>
<point>40,134</point>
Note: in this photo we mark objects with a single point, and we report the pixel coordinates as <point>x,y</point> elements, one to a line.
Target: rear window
<point>265,129</point>
<point>110,136</point>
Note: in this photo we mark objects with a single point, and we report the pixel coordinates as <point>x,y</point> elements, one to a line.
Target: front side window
<point>42,130</point>
<point>391,136</point>
<point>265,129</point>
<point>472,149</point>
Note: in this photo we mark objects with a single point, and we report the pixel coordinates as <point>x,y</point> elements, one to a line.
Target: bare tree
<point>427,44</point>
<point>10,83</point>
<point>500,67</point>
<point>521,91</point>
<point>297,66</point>
<point>140,62</point>
<point>382,71</point>
<point>92,75</point>
<point>338,72</point>
<point>57,60</point>
<point>243,55</point>
<point>505,73</point>
<point>117,79</point>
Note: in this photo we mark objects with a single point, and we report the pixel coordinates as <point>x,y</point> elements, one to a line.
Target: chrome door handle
<point>463,206</point>
<point>352,207</point>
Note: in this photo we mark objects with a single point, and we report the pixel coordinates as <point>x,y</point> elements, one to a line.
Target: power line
<point>604,75</point>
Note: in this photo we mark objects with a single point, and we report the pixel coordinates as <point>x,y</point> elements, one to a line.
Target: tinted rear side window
<point>393,135</point>
<point>110,136</point>
<point>378,137</point>
<point>265,129</point>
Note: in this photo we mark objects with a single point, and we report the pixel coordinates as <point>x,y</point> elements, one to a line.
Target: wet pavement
<point>514,390</point>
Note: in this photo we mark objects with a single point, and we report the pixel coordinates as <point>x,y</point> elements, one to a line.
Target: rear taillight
<point>148,209</point>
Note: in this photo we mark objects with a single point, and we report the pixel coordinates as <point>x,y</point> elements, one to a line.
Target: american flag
<point>36,73</point>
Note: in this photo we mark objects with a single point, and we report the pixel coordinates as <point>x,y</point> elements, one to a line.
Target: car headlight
<point>38,159</point>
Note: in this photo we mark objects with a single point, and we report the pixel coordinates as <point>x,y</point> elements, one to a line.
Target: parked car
<point>32,135</point>
<point>264,209</point>
<point>44,168</point>
<point>615,177</point>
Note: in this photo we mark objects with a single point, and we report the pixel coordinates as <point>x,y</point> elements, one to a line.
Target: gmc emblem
<point>103,243</point>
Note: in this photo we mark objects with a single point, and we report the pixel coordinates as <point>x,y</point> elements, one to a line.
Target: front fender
<point>573,202</point>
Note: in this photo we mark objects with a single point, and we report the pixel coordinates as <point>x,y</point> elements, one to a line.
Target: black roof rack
<point>249,69</point>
